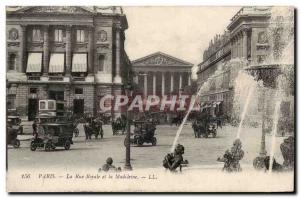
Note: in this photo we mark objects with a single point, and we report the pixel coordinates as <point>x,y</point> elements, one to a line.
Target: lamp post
<point>128,89</point>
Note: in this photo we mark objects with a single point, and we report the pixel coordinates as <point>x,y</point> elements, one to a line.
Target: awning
<point>217,103</point>
<point>79,63</point>
<point>56,64</point>
<point>34,63</point>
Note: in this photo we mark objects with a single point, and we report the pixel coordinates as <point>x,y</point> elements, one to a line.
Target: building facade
<point>248,40</point>
<point>161,74</point>
<point>73,54</point>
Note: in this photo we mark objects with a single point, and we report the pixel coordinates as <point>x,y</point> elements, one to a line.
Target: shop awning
<point>56,64</point>
<point>34,63</point>
<point>79,63</point>
<point>217,103</point>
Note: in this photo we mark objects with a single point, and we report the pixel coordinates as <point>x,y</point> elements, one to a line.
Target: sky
<point>182,32</point>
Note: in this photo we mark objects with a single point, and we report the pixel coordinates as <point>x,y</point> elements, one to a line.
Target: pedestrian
<point>34,128</point>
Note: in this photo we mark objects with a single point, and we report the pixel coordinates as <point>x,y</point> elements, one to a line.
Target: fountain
<point>278,68</point>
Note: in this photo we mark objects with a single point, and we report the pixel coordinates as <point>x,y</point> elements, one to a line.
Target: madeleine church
<point>73,54</point>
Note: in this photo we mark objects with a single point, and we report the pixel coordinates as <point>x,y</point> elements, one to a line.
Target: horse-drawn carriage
<point>119,125</point>
<point>144,132</point>
<point>52,135</point>
<point>93,127</point>
<point>204,128</point>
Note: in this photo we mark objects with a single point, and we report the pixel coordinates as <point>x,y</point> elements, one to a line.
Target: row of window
<point>34,90</point>
<point>12,61</point>
<point>58,35</point>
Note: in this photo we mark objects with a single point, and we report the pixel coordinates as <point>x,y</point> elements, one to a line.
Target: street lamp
<point>128,90</point>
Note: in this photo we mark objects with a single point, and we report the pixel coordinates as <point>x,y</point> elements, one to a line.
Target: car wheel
<point>33,146</point>
<point>17,143</point>
<point>154,141</point>
<point>67,144</point>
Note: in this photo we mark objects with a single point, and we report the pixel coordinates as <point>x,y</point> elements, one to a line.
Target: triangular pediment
<point>54,9</point>
<point>160,59</point>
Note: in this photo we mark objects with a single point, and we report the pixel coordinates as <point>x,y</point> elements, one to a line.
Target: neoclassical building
<point>73,54</point>
<point>161,74</point>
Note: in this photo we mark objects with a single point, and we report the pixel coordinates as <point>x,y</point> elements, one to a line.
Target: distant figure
<point>232,157</point>
<point>34,128</point>
<point>108,166</point>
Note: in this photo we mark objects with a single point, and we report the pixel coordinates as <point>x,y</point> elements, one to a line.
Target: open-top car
<point>15,122</point>
<point>52,135</point>
<point>144,132</point>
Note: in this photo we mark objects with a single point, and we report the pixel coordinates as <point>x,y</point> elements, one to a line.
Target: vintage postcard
<point>150,99</point>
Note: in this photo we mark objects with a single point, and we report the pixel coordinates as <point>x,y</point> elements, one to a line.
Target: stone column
<point>162,83</point>
<point>245,44</point>
<point>172,82</point>
<point>238,46</point>
<point>154,83</point>
<point>22,61</point>
<point>232,48</point>
<point>90,51</point>
<point>145,84</point>
<point>68,50</point>
<point>137,79</point>
<point>117,78</point>
<point>180,80</point>
<point>189,79</point>
<point>46,50</point>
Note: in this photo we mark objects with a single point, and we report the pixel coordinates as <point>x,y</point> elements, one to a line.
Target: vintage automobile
<point>52,135</point>
<point>15,122</point>
<point>202,129</point>
<point>11,136</point>
<point>144,132</point>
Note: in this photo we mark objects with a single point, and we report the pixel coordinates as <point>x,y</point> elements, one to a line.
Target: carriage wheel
<point>33,146</point>
<point>16,143</point>
<point>154,141</point>
<point>67,145</point>
<point>76,132</point>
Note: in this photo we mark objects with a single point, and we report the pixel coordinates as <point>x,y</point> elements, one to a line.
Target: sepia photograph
<point>169,99</point>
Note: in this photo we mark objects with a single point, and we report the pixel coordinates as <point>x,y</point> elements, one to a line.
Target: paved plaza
<point>201,153</point>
